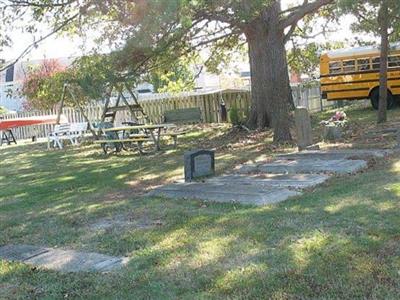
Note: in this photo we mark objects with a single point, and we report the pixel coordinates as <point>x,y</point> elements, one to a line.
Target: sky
<point>62,46</point>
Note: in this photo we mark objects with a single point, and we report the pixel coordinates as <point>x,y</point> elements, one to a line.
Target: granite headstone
<point>303,128</point>
<point>199,163</point>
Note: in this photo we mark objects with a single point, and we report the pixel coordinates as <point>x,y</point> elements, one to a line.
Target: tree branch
<point>290,32</point>
<point>35,43</point>
<point>28,3</point>
<point>307,8</point>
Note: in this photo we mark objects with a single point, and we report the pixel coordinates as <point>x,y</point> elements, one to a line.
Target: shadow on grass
<point>340,241</point>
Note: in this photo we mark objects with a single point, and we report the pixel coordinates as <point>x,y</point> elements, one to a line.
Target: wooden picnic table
<point>150,130</point>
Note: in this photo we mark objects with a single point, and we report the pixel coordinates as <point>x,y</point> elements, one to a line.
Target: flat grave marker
<point>62,260</point>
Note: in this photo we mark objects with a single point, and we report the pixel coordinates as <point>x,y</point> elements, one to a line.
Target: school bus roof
<point>368,50</point>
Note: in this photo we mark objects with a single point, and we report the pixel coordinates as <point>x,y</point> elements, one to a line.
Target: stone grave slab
<point>223,192</point>
<point>342,166</point>
<point>61,260</point>
<point>293,181</point>
<point>337,154</point>
<point>20,252</point>
<point>74,261</point>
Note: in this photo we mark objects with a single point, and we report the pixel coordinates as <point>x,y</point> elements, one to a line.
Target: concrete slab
<point>337,154</point>
<point>292,181</point>
<point>224,192</point>
<point>61,260</point>
<point>20,252</point>
<point>342,166</point>
<point>74,261</point>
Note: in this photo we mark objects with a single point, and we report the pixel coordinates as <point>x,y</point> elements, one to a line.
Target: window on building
<point>363,64</point>
<point>335,67</point>
<point>10,74</point>
<point>349,66</point>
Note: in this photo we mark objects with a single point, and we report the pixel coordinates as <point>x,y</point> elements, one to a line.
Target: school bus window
<point>335,67</point>
<point>376,63</point>
<point>349,66</point>
<point>394,61</point>
<point>363,64</point>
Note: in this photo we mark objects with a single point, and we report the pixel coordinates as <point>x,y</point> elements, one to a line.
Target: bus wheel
<point>375,99</point>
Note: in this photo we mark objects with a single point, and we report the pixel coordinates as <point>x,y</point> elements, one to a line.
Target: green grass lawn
<point>341,240</point>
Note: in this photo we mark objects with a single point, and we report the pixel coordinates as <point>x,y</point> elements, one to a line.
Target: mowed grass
<point>341,240</point>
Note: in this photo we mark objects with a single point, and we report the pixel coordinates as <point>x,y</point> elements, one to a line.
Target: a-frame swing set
<point>109,111</point>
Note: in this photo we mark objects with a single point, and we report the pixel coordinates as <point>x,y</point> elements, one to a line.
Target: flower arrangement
<point>338,119</point>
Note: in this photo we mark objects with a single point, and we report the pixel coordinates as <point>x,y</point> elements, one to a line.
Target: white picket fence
<point>156,104</point>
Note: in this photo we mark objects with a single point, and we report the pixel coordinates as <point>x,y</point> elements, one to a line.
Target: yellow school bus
<point>351,74</point>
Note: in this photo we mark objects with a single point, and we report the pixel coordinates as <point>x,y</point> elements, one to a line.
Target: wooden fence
<point>155,106</point>
<point>209,104</point>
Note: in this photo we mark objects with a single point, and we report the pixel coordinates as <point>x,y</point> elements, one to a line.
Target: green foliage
<point>305,59</point>
<point>43,84</point>
<point>92,74</point>
<point>234,116</point>
<point>177,78</point>
<point>88,78</point>
<point>367,14</point>
<point>150,34</point>
<point>2,110</point>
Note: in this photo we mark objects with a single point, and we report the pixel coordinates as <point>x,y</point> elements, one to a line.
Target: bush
<point>234,116</point>
<point>42,86</point>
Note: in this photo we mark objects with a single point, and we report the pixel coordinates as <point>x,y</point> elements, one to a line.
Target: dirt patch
<point>228,137</point>
<point>136,188</point>
<point>7,291</point>
<point>390,249</point>
<point>10,291</point>
<point>126,221</point>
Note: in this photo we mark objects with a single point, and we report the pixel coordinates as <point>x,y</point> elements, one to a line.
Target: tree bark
<point>383,90</point>
<point>270,77</point>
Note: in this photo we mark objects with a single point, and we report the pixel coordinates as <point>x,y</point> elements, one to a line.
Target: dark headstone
<point>199,163</point>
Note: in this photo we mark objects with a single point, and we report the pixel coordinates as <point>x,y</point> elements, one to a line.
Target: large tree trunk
<point>383,91</point>
<point>269,74</point>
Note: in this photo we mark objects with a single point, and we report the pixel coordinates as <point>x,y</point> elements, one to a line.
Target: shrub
<point>234,116</point>
<point>42,87</point>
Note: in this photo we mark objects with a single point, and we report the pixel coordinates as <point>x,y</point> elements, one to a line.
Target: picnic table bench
<point>125,137</point>
<point>135,135</point>
<point>67,131</point>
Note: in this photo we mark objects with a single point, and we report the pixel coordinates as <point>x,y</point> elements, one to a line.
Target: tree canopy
<point>367,14</point>
<point>145,35</point>
<point>380,18</point>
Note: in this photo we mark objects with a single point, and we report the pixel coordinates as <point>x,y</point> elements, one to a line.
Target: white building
<point>11,82</point>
